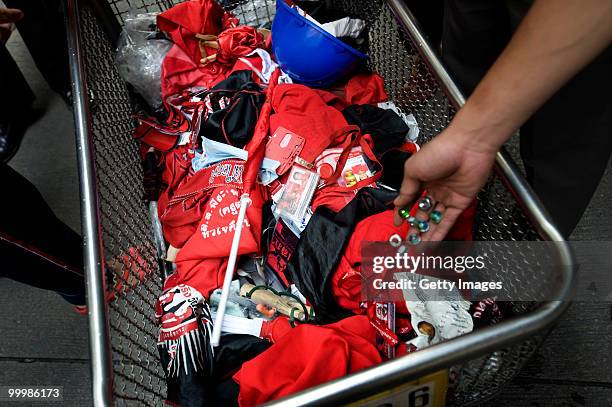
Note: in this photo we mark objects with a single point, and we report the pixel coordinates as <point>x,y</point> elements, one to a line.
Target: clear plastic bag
<point>256,13</point>
<point>140,53</point>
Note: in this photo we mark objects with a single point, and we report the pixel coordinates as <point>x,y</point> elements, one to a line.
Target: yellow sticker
<point>428,391</point>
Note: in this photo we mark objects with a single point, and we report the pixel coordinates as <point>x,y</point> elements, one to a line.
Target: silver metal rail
<point>505,167</point>
<point>475,344</point>
<point>99,337</point>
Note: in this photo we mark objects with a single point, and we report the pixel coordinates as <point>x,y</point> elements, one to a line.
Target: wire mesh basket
<point>118,237</point>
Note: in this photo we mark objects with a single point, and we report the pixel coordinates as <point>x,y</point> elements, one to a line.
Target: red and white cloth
<point>307,356</point>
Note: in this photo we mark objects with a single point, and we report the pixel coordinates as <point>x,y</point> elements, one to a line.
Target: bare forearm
<point>556,40</point>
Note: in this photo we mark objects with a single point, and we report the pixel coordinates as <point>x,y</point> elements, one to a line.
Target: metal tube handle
<point>99,337</point>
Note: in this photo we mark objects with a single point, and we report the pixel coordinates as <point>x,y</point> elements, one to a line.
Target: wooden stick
<point>206,37</point>
<point>210,58</point>
<point>211,44</point>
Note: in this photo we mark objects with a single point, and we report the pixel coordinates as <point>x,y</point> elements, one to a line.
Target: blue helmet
<point>307,53</point>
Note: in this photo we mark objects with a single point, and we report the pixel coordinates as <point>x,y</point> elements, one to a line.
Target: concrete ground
<point>44,343</point>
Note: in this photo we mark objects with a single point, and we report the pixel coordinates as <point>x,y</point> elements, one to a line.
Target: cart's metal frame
<point>358,385</point>
<point>99,337</point>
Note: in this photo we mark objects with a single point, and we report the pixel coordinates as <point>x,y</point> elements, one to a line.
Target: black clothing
<point>566,144</point>
<point>36,248</point>
<point>43,31</point>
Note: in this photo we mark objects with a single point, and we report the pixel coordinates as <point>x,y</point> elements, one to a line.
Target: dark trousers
<point>43,32</point>
<point>36,248</point>
<point>566,145</point>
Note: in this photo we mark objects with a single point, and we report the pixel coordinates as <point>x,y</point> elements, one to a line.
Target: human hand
<point>10,15</point>
<point>452,169</point>
<point>5,32</point>
<point>7,17</point>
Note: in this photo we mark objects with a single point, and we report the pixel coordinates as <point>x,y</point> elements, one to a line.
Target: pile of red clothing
<point>235,124</point>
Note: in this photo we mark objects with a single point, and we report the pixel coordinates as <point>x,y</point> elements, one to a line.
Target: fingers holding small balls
<point>428,216</point>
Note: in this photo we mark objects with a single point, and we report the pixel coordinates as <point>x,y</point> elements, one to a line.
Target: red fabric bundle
<point>302,110</point>
<point>177,165</point>
<point>361,89</point>
<point>335,196</point>
<point>346,281</point>
<point>181,67</point>
<point>306,113</point>
<point>202,261</point>
<point>365,88</point>
<point>275,329</point>
<point>238,42</point>
<point>313,115</point>
<point>180,72</point>
<point>183,210</point>
<point>307,356</point>
<point>183,21</point>
<point>183,117</point>
<point>346,286</point>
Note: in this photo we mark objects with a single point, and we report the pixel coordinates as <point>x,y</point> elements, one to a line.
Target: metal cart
<point>125,365</point>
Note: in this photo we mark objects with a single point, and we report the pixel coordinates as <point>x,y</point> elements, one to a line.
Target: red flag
<point>183,21</point>
<point>257,145</point>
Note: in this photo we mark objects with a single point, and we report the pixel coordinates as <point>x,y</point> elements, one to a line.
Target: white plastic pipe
<point>245,202</point>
